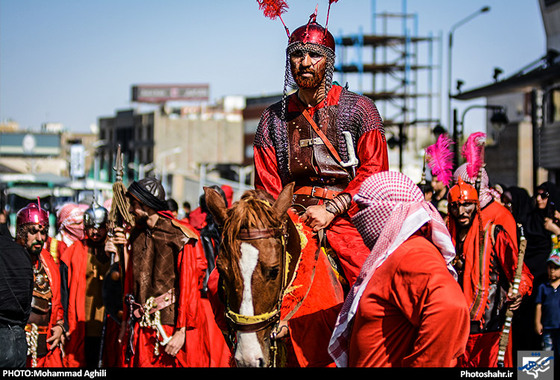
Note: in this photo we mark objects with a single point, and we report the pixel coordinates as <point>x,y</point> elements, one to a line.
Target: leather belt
<point>40,329</point>
<point>317,192</point>
<point>160,302</point>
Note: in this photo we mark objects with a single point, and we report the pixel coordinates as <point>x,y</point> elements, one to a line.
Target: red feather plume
<point>473,152</point>
<point>328,12</point>
<point>440,159</point>
<point>273,9</point>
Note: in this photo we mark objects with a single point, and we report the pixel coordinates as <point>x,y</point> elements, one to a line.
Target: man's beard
<point>312,82</point>
<point>35,248</point>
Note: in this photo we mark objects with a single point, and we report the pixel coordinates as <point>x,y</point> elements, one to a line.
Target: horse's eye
<point>272,273</point>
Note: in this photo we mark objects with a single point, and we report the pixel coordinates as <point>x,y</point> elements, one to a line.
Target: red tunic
<point>371,151</point>
<point>499,215</point>
<point>412,312</point>
<point>76,257</point>
<point>54,357</point>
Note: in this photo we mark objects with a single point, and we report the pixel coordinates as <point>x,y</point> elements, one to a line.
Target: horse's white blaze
<point>249,350</point>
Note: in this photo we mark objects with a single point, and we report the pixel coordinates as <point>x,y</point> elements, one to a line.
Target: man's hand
<point>56,337</point>
<point>176,342</point>
<point>317,217</point>
<point>118,237</point>
<point>515,301</point>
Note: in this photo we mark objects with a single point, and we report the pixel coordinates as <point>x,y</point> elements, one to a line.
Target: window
<point>554,105</point>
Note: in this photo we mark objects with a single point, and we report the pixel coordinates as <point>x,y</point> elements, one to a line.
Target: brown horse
<point>273,273</point>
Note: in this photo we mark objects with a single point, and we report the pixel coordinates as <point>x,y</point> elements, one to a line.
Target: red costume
<point>406,308</point>
<point>219,350</point>
<point>274,158</point>
<point>150,254</point>
<point>77,258</point>
<point>48,358</point>
<point>403,319</point>
<point>486,262</point>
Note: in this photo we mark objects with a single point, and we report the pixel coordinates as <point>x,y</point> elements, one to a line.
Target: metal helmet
<point>462,192</point>
<point>32,213</point>
<point>313,33</point>
<point>96,216</point>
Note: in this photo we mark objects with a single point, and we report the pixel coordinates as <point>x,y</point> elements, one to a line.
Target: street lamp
<point>498,120</point>
<point>449,56</point>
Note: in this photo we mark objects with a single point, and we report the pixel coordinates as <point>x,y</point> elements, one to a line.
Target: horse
<point>273,273</point>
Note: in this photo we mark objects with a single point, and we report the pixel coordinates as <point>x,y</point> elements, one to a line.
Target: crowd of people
<point>431,278</point>
<point>62,298</point>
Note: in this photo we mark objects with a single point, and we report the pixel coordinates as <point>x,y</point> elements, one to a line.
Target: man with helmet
<point>166,327</point>
<point>45,327</point>
<point>324,138</point>
<point>486,261</point>
<point>88,265</point>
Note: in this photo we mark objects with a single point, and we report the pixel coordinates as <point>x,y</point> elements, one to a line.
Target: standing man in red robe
<point>406,308</point>
<point>324,138</point>
<point>45,327</point>
<point>88,264</point>
<point>166,324</point>
<point>486,263</point>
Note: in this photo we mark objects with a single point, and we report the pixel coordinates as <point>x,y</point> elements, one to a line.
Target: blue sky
<point>73,61</point>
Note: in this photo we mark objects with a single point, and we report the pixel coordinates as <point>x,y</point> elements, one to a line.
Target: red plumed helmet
<point>313,33</point>
<point>32,213</point>
<point>462,192</point>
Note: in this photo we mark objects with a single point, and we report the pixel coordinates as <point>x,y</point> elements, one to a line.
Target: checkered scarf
<point>70,222</point>
<point>392,208</point>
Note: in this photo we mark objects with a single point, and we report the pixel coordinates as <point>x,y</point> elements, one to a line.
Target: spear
<point>504,337</point>
<point>118,216</point>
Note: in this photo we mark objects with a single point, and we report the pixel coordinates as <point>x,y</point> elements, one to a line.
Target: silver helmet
<point>96,216</point>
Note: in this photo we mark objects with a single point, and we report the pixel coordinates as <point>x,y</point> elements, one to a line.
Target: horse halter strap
<point>258,322</point>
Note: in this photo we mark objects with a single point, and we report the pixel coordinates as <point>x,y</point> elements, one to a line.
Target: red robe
<point>499,215</point>
<point>56,248</point>
<point>219,350</point>
<point>54,357</point>
<point>479,289</point>
<point>371,151</point>
<point>412,312</point>
<point>195,351</point>
<point>76,257</point>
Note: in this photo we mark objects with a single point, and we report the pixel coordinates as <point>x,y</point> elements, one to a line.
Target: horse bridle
<point>254,323</point>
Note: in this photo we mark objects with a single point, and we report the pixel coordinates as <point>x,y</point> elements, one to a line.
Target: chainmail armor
<point>355,113</point>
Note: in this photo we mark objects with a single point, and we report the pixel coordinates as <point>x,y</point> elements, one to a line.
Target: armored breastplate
<point>41,302</point>
<point>41,306</point>
<point>310,162</point>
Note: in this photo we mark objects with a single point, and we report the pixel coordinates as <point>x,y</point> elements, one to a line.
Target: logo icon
<point>535,365</point>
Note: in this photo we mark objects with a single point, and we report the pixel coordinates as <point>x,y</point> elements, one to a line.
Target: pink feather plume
<point>440,159</point>
<point>473,152</point>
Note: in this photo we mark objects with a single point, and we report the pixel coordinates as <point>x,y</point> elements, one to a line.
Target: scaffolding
<point>395,67</point>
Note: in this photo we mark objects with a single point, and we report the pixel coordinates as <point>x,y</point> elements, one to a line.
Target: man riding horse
<point>324,138</point>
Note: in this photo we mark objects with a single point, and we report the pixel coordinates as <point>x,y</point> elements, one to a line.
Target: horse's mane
<point>253,210</point>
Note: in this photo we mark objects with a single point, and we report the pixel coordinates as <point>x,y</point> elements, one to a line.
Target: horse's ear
<point>284,200</point>
<point>216,205</point>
